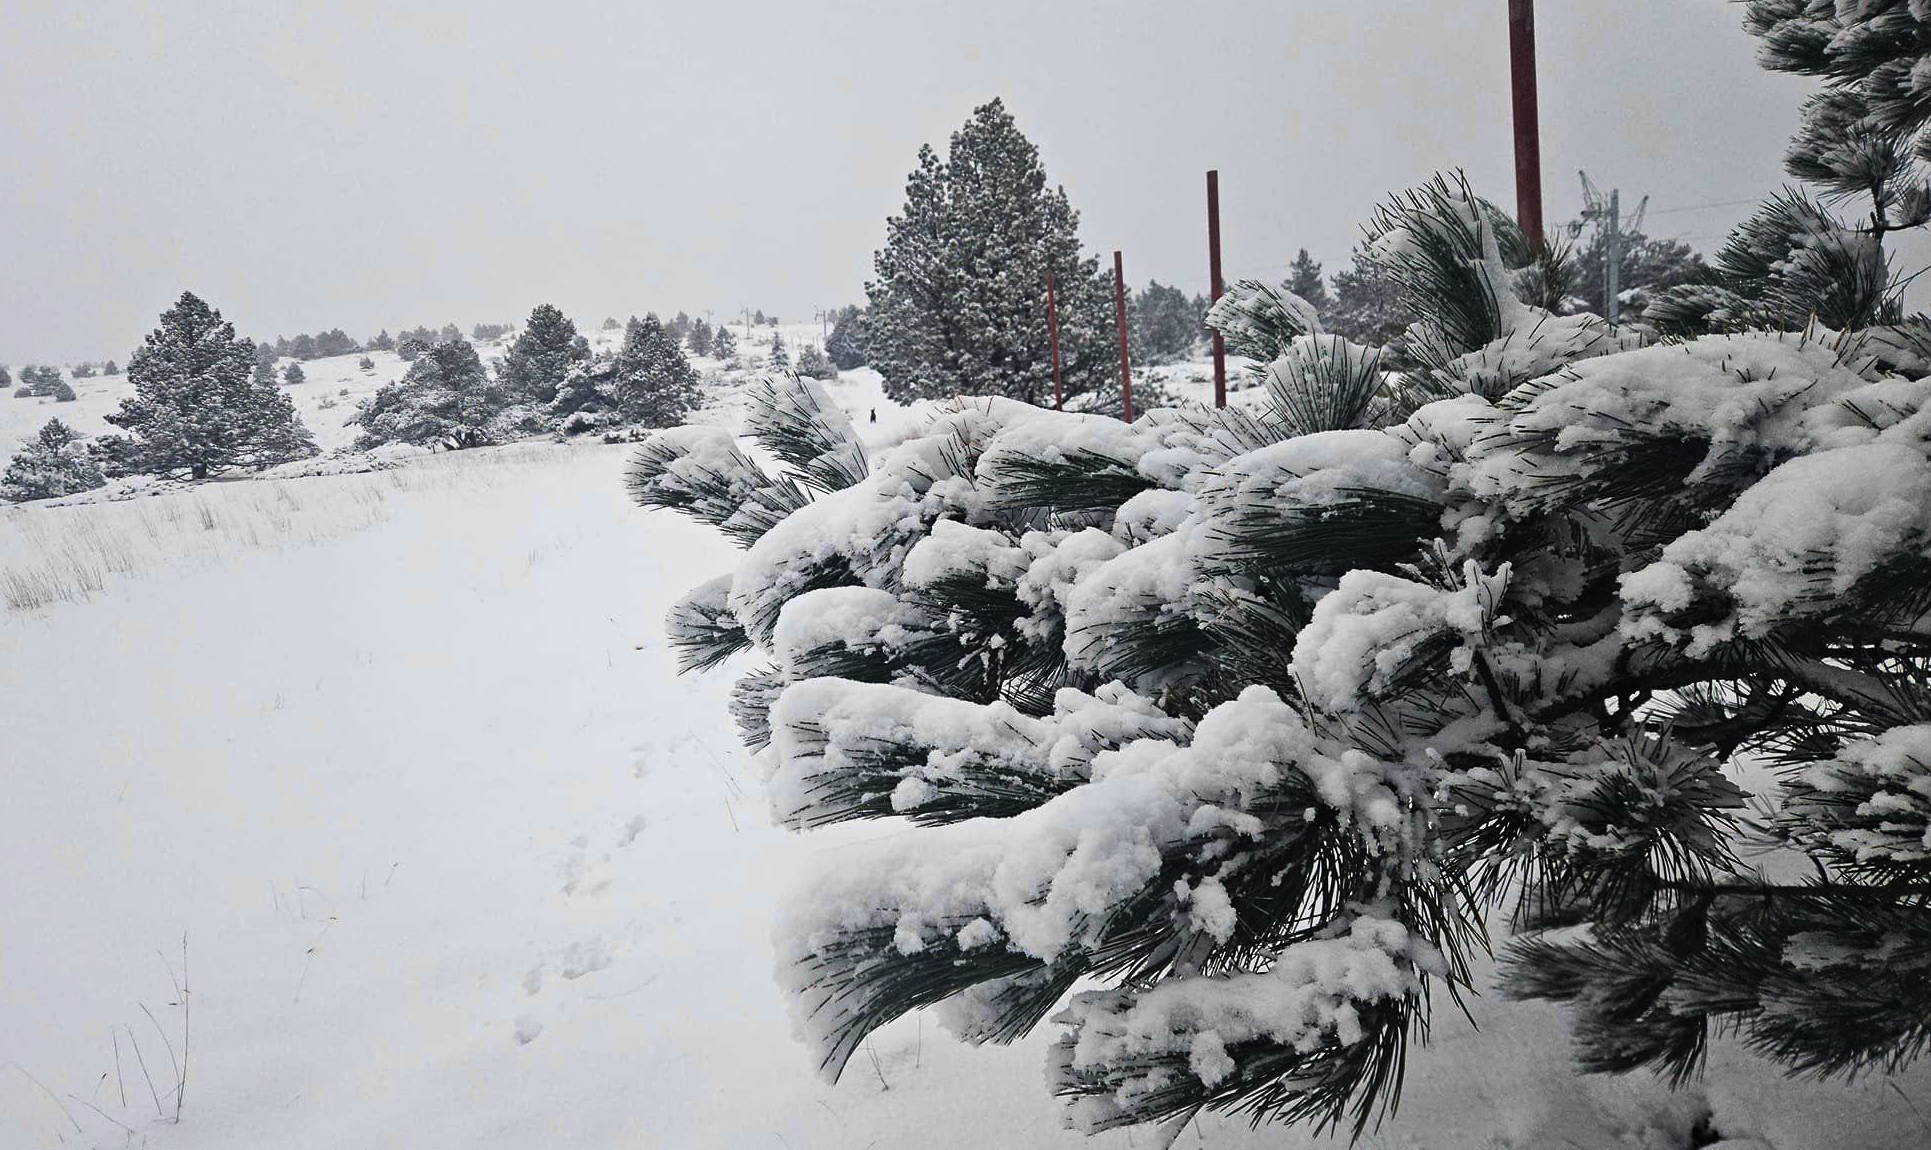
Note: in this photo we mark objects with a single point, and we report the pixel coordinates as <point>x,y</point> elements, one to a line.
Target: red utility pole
<point>1528,139</point>
<point>1213,274</point>
<point>1119,319</point>
<point>1052,330</point>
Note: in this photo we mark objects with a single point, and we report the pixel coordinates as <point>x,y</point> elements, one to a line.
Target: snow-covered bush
<point>1226,731</point>
<point>1248,719</point>
<point>449,398</point>
<point>53,463</point>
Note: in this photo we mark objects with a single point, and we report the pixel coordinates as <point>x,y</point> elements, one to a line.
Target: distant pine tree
<point>758,318</point>
<point>959,303</point>
<point>845,346</point>
<point>1163,324</point>
<point>108,368</point>
<point>1304,280</point>
<point>197,409</point>
<point>698,339</point>
<point>779,358</point>
<point>724,345</point>
<point>53,463</point>
<point>293,374</point>
<point>812,364</point>
<point>6,378</point>
<point>680,327</point>
<point>382,341</point>
<point>1366,306</point>
<point>542,355</point>
<point>301,347</point>
<point>656,385</point>
<point>82,371</point>
<point>610,323</point>
<point>40,380</point>
<point>447,396</point>
<point>334,341</point>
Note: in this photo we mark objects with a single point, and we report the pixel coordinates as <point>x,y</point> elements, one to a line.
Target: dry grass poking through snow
<point>68,554</point>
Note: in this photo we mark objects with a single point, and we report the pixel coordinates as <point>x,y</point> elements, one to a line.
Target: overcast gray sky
<point>366,164</point>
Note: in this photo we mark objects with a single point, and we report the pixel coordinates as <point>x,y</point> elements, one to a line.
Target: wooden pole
<point>1213,276</point>
<point>1528,138</point>
<point>1119,321</point>
<point>1052,331</point>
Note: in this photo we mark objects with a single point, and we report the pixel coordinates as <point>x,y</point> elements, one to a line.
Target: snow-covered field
<point>460,861</point>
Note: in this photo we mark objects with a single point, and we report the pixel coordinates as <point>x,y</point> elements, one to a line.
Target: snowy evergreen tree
<point>40,380</point>
<point>82,371</point>
<point>1861,142</point>
<point>1366,303</point>
<point>333,342</point>
<point>1163,324</point>
<point>586,397</point>
<point>656,385</point>
<point>109,368</point>
<point>813,364</point>
<point>6,377</point>
<point>382,341</point>
<point>1648,267</point>
<point>724,345</point>
<point>698,338</point>
<point>648,383</point>
<point>53,463</point>
<point>542,355</point>
<point>959,303</point>
<point>446,397</point>
<point>679,327</point>
<point>1226,731</point>
<point>365,363</point>
<point>610,323</point>
<point>845,346</point>
<point>1304,280</point>
<point>779,358</point>
<point>293,374</point>
<point>264,372</point>
<point>197,409</point>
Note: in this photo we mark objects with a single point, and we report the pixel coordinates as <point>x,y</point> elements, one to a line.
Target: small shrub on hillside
<point>294,374</point>
<point>83,371</point>
<point>63,392</point>
<point>55,462</point>
<point>366,364</point>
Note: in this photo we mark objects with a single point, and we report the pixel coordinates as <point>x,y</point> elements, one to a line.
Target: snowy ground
<point>460,860</point>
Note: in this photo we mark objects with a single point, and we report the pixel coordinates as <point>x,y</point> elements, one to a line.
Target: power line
<point>1698,207</point>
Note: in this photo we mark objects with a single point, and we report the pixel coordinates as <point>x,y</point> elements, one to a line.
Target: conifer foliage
<point>198,409</point>
<point>1226,730</point>
<point>447,397</point>
<point>647,383</point>
<point>53,463</point>
<point>959,303</point>
<point>544,352</point>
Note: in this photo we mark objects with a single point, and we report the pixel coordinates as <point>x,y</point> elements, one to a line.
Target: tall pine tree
<point>1304,280</point>
<point>197,408</point>
<point>542,355</point>
<point>959,303</point>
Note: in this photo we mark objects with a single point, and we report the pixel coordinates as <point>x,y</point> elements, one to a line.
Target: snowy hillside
<point>460,861</point>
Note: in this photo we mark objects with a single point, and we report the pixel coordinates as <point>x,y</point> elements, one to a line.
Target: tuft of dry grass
<point>70,553</point>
